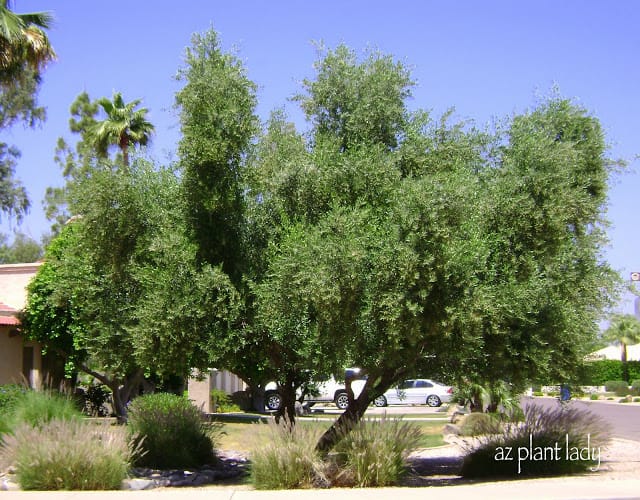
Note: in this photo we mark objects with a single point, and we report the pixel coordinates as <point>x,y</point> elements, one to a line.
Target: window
<point>423,383</point>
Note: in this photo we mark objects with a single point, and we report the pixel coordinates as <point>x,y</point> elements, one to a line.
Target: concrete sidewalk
<point>552,488</point>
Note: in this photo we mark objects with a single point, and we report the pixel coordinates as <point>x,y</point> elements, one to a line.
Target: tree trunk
<point>257,398</point>
<point>122,392</point>
<point>124,147</point>
<point>377,383</point>
<point>287,410</point>
<point>119,403</point>
<point>625,368</point>
<point>347,421</point>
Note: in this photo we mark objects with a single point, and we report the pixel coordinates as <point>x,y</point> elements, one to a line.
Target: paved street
<point>623,418</point>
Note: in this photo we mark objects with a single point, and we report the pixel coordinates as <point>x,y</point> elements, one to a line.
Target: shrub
<point>598,372</point>
<point>636,400</point>
<point>375,451</point>
<point>594,397</point>
<point>35,408</point>
<point>544,430</point>
<point>476,424</point>
<point>288,460</point>
<point>9,395</point>
<point>68,455</point>
<point>619,387</point>
<point>170,431</point>
<point>222,402</point>
<point>94,400</point>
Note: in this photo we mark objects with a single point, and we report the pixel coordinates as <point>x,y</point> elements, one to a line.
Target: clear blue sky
<point>488,59</point>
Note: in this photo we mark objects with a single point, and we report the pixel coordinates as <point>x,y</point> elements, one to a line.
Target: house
<point>614,352</point>
<point>201,385</point>
<point>20,361</point>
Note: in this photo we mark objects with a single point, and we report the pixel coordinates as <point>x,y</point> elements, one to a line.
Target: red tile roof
<point>9,321</point>
<point>8,315</point>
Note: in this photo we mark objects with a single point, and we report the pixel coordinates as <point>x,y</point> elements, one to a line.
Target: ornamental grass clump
<point>171,431</point>
<point>67,455</point>
<point>477,424</point>
<point>551,441</point>
<point>374,452</point>
<point>35,408</point>
<point>288,459</point>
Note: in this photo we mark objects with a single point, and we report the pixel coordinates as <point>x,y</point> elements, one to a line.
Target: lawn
<point>246,436</point>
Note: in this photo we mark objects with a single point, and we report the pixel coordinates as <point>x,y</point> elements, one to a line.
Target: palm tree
<point>624,330</point>
<point>23,42</point>
<point>124,126</point>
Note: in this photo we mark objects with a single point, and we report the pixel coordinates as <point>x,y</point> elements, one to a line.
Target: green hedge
<point>598,372</point>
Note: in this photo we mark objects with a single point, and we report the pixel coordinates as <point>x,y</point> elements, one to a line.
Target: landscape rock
<point>230,465</point>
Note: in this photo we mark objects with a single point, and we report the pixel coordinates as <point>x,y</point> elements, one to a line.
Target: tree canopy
<point>123,126</point>
<point>23,44</point>
<point>24,53</point>
<point>119,296</point>
<point>380,237</point>
<point>22,249</point>
<point>623,330</point>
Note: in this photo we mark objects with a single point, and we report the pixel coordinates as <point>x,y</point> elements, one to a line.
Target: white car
<point>416,392</point>
<point>330,391</point>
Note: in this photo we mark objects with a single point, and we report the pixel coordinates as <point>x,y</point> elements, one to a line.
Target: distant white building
<point>614,352</point>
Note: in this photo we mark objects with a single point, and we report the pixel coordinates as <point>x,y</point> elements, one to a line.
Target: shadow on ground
<point>434,471</point>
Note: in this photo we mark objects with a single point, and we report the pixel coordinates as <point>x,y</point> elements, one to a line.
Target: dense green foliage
<point>216,108</point>
<point>598,372</point>
<point>9,395</point>
<point>36,408</point>
<point>404,243</point>
<point>170,431</point>
<point>119,296</point>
